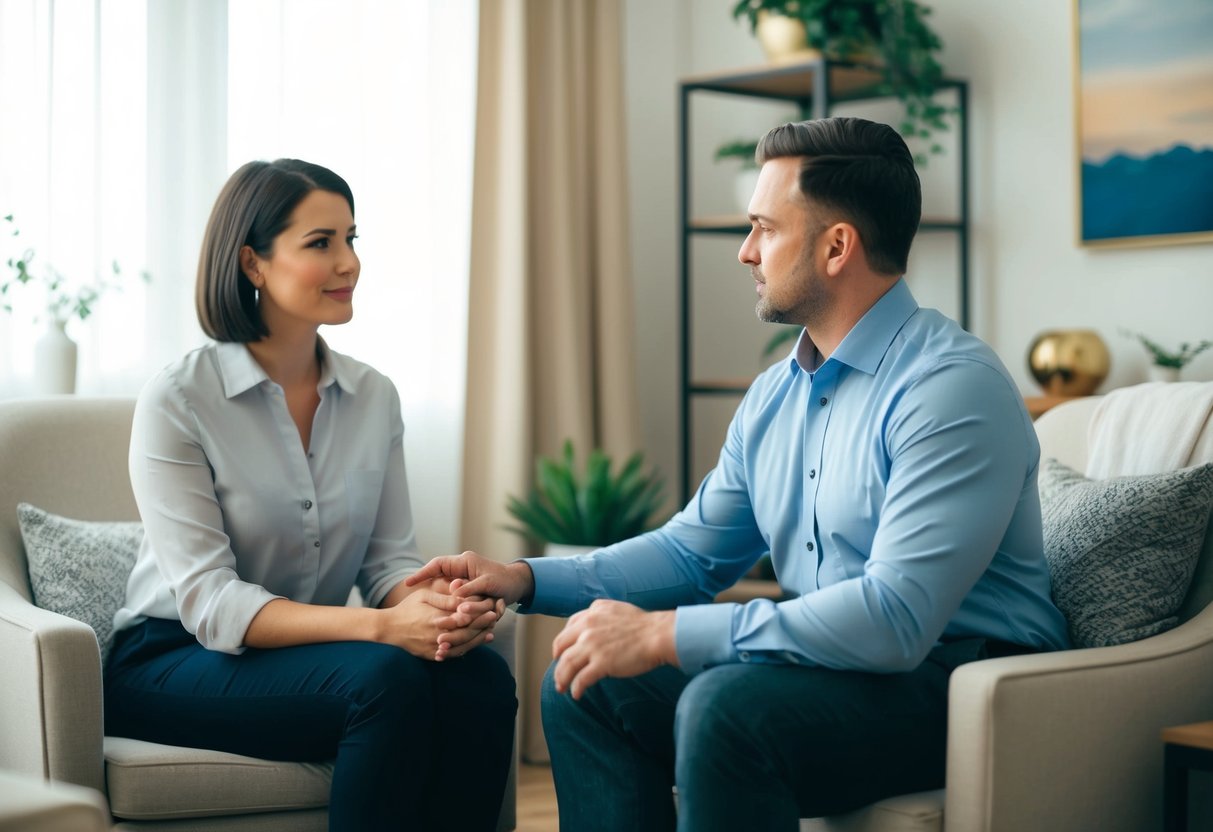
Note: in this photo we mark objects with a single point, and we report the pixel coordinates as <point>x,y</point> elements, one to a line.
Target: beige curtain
<point>550,320</point>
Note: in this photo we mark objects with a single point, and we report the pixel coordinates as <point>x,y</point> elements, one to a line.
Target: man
<point>888,466</point>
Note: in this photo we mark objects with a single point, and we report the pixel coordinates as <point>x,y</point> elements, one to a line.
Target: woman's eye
<point>350,239</point>
<point>319,242</point>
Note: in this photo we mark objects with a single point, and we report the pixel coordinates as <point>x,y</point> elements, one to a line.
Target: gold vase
<point>1069,362</point>
<point>783,39</point>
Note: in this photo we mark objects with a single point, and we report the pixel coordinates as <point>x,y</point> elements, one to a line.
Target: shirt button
<point>316,544</point>
<point>808,545</point>
<point>744,656</point>
<point>812,473</point>
<point>307,504</point>
<point>822,401</point>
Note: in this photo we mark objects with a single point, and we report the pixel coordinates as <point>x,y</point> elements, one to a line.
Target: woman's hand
<point>431,623</point>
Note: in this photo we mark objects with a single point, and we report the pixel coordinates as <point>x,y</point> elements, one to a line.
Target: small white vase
<point>54,361</point>
<point>564,550</point>
<point>743,187</point>
<point>1157,373</point>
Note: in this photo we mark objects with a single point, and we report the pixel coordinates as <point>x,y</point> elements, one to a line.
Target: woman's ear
<point>249,265</point>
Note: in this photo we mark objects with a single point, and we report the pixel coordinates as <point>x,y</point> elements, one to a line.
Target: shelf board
<point>740,224</point>
<point>792,81</point>
<point>722,386</point>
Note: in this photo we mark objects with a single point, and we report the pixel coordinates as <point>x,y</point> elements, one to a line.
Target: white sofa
<point>1067,741</point>
<point>68,455</point>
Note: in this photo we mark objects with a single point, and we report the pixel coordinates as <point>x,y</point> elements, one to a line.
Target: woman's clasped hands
<point>433,623</point>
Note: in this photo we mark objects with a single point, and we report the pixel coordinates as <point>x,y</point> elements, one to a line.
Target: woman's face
<point>310,275</point>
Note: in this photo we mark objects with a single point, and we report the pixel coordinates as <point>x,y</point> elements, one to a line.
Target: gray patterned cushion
<point>1122,551</point>
<point>79,568</point>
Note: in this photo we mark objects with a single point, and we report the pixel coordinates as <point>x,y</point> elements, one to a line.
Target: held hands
<point>432,623</point>
<point>479,576</point>
<point>611,638</point>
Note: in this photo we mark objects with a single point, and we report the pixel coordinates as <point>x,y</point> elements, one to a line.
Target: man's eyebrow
<point>759,218</point>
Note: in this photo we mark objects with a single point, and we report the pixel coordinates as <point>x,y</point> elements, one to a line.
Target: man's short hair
<point>253,208</point>
<point>860,172</point>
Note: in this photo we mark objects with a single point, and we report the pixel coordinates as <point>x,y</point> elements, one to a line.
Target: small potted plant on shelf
<point>573,511</point>
<point>54,351</point>
<point>1165,364</point>
<point>891,36</point>
<point>747,174</point>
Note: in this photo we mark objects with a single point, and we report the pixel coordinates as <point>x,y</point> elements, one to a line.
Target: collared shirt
<point>895,488</point>
<point>237,512</point>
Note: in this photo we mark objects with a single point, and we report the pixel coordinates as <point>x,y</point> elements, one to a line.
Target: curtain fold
<point>550,305</point>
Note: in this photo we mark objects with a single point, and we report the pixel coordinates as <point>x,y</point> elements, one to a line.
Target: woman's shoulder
<point>360,378</point>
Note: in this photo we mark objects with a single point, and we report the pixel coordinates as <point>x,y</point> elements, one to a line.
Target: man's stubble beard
<point>812,304</point>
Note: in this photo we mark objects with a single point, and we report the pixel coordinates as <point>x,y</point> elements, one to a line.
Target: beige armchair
<point>69,456</point>
<point>1068,741</point>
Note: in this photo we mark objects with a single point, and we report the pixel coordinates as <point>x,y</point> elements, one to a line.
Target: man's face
<point>779,250</point>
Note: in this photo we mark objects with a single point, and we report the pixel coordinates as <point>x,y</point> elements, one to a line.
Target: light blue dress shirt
<point>895,488</point>
<point>237,512</point>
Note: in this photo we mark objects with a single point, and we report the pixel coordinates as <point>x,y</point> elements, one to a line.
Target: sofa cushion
<point>79,568</point>
<point>29,804</point>
<point>148,781</point>
<point>1122,551</point>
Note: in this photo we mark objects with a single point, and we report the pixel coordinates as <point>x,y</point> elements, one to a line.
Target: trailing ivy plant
<point>895,30</point>
<point>590,507</point>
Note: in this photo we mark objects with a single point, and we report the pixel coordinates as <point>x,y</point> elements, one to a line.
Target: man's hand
<point>611,638</point>
<point>486,578</point>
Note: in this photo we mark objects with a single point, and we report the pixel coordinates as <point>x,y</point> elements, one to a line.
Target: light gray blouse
<point>236,512</point>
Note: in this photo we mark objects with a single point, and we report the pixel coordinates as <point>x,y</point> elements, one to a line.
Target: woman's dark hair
<point>863,172</point>
<point>252,209</point>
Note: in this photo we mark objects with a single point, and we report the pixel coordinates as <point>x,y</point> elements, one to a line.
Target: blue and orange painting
<point>1146,119</point>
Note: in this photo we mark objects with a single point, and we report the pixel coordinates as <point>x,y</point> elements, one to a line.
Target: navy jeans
<point>418,744</point>
<point>749,746</point>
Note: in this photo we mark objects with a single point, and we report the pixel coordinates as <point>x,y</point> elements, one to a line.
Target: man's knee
<point>717,704</point>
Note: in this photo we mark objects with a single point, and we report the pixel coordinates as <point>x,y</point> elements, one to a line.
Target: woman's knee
<point>384,676</point>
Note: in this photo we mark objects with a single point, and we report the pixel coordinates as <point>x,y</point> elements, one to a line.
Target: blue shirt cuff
<point>557,586</point>
<point>703,636</point>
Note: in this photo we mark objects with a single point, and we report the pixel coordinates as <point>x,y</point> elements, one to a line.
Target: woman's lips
<point>340,294</point>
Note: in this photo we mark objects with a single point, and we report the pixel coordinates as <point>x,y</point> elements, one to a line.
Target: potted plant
<point>54,351</point>
<point>571,510</point>
<point>747,174</point>
<point>1165,364</point>
<point>891,35</point>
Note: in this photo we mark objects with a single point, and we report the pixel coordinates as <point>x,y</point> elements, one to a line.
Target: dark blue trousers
<point>749,746</point>
<point>418,745</point>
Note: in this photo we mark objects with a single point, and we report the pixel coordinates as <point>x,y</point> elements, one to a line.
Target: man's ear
<point>841,245</point>
<point>248,265</point>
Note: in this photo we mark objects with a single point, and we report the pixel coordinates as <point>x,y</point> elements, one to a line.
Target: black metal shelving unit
<point>815,86</point>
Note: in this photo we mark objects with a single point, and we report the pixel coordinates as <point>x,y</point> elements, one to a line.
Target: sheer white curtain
<point>123,118</point>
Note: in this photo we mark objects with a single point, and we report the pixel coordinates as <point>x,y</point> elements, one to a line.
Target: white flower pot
<point>54,361</point>
<point>743,187</point>
<point>1157,373</point>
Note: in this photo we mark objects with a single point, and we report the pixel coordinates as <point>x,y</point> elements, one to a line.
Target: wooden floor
<point>536,800</point>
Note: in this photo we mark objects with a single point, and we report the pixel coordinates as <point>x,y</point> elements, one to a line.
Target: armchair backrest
<point>1063,434</point>
<point>64,454</point>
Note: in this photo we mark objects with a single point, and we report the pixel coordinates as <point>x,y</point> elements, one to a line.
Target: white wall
<point>1027,273</point>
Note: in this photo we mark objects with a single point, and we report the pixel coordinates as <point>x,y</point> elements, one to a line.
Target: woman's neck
<point>289,360</point>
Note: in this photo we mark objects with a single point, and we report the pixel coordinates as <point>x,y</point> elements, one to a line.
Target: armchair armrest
<point>50,701</point>
<point>1070,740</point>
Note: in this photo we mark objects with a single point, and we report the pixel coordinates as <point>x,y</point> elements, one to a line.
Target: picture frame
<point>1143,103</point>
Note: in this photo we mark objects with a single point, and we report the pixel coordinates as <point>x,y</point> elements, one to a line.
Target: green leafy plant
<point>62,300</point>
<point>594,507</point>
<point>783,336</point>
<point>894,30</point>
<point>743,149</point>
<point>1162,357</point>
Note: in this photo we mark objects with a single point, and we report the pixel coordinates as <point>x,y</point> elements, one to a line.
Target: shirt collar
<point>865,345</point>
<point>241,372</point>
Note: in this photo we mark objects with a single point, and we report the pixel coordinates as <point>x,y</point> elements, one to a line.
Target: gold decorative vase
<point>783,39</point>
<point>1069,362</point>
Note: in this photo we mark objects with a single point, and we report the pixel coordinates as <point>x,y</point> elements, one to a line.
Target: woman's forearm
<point>283,623</point>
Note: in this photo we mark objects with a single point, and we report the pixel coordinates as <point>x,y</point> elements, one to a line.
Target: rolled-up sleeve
<point>175,491</point>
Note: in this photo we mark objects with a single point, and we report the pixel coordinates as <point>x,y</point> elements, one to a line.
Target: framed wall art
<point>1143,80</point>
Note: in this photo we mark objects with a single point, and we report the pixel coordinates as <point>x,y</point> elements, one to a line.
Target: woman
<point>269,473</point>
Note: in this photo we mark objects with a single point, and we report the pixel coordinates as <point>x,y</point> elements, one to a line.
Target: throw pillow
<point>79,568</point>
<point>1122,551</point>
